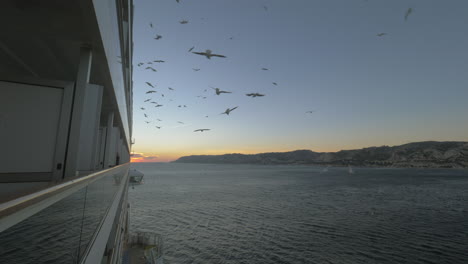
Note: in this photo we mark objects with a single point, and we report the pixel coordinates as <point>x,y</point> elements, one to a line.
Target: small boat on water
<point>136,177</point>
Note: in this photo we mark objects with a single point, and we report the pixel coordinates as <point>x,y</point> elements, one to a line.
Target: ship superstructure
<point>65,130</point>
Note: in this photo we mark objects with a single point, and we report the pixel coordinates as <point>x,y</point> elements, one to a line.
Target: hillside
<point>428,154</point>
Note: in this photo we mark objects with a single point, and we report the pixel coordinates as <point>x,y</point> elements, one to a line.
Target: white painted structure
<point>65,109</point>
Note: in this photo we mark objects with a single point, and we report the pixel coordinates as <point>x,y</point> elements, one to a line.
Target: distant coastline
<point>427,154</point>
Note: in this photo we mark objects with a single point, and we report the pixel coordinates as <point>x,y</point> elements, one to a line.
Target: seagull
<point>265,69</point>
<point>159,61</point>
<point>177,1</point>
<point>208,54</point>
<point>218,91</point>
<point>150,68</point>
<point>190,50</point>
<point>180,122</point>
<point>158,37</point>
<point>195,69</point>
<point>231,38</point>
<point>172,89</point>
<point>201,130</point>
<point>158,105</point>
<point>147,122</point>
<point>151,25</point>
<point>275,84</point>
<point>265,7</point>
<point>183,21</point>
<point>381,34</point>
<point>151,91</point>
<point>147,100</point>
<point>159,119</point>
<point>309,112</point>
<point>158,127</point>
<point>139,64</point>
<point>149,62</point>
<point>153,102</point>
<point>185,106</point>
<point>146,116</point>
<point>408,12</point>
<point>255,94</point>
<point>229,110</point>
<point>142,108</point>
<point>149,84</point>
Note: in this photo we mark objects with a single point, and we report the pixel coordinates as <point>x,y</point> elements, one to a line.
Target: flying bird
<point>158,105</point>
<point>180,122</point>
<point>149,62</point>
<point>408,13</point>
<point>183,22</point>
<point>151,25</point>
<point>265,7</point>
<point>208,53</point>
<point>146,115</point>
<point>158,37</point>
<point>139,64</point>
<point>149,84</point>
<point>151,91</point>
<point>201,130</point>
<point>147,122</point>
<point>190,50</point>
<point>159,119</point>
<point>153,102</point>
<point>265,69</point>
<point>172,89</point>
<point>381,34</point>
<point>158,127</point>
<point>147,100</point>
<point>275,84</point>
<point>177,1</point>
<point>150,68</point>
<point>229,110</point>
<point>309,112</point>
<point>219,91</point>
<point>159,61</point>
<point>142,108</point>
<point>255,94</point>
<point>195,69</point>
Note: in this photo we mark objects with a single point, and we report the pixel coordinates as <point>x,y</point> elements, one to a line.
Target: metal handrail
<point>27,205</point>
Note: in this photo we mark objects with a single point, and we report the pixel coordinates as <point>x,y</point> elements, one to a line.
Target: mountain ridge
<point>425,154</point>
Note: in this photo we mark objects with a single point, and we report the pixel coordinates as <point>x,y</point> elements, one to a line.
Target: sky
<point>325,56</point>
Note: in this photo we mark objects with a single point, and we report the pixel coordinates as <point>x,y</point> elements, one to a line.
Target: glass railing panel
<point>49,236</point>
<point>99,197</point>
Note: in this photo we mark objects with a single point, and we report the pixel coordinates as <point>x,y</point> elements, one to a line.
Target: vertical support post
<point>82,79</point>
<point>109,130</point>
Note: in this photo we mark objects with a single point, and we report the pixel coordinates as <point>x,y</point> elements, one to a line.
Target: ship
<point>66,97</point>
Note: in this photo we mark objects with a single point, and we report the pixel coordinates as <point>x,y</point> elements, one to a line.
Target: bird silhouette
<point>190,50</point>
<point>151,25</point>
<point>146,115</point>
<point>180,122</point>
<point>195,69</point>
<point>151,91</point>
<point>151,68</point>
<point>275,84</point>
<point>142,108</point>
<point>147,122</point>
<point>265,69</point>
<point>208,53</point>
<point>310,112</point>
<point>149,84</point>
<point>219,91</point>
<point>381,34</point>
<point>158,127</point>
<point>201,130</point>
<point>172,89</point>
<point>158,37</point>
<point>255,94</point>
<point>229,110</point>
<point>159,61</point>
<point>147,100</point>
<point>183,22</point>
<point>408,13</point>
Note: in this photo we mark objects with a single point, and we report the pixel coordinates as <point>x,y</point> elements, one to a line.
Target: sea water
<point>303,214</point>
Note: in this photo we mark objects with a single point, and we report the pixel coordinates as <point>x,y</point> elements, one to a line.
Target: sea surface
<point>302,214</point>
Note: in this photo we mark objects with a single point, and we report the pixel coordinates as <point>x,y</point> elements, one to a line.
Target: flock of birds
<point>217,91</point>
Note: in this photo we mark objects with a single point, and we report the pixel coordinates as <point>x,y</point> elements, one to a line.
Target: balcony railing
<point>67,223</point>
